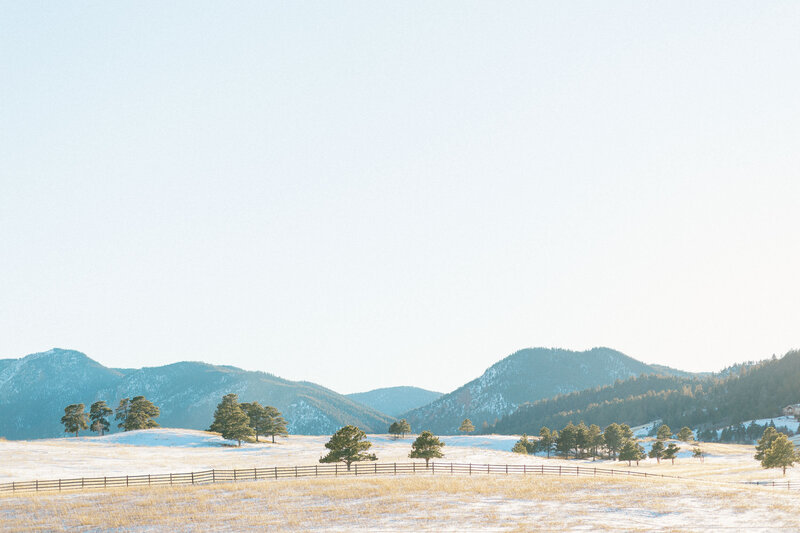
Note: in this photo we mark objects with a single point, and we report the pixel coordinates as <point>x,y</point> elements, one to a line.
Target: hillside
<point>395,401</point>
<point>753,391</point>
<point>525,376</point>
<point>35,389</point>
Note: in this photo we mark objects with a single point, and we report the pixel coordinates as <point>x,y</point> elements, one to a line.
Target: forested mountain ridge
<point>395,401</point>
<point>35,389</point>
<point>525,376</point>
<point>744,392</point>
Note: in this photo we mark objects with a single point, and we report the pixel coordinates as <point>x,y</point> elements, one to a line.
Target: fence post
<point>127,477</point>
<point>470,469</point>
<point>81,482</point>
<point>316,471</point>
<point>376,467</point>
<point>524,469</point>
<point>295,471</point>
<point>559,470</point>
<point>506,468</point>
<point>14,486</point>
<point>336,471</point>
<point>105,481</point>
<point>395,469</point>
<point>37,485</point>
<point>356,468</point>
<point>148,480</point>
<point>59,484</point>
<point>451,467</point>
<point>276,472</point>
<point>541,467</point>
<point>170,478</point>
<point>192,478</point>
<point>433,468</point>
<point>414,467</point>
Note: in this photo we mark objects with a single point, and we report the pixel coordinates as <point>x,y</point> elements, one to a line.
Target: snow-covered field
<point>500,503</point>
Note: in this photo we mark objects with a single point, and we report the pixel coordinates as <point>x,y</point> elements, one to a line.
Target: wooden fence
<point>335,470</point>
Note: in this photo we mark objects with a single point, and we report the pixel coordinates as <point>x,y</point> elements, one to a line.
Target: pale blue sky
<point>367,194</point>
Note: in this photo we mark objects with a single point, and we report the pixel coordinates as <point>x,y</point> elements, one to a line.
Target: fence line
<point>337,470</point>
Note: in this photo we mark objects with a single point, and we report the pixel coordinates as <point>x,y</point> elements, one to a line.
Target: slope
<point>525,376</point>
<point>35,389</point>
<point>395,400</point>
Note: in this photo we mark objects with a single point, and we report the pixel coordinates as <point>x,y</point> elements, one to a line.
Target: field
<point>422,502</point>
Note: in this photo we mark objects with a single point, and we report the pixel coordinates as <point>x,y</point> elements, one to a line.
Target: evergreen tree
<point>595,439</point>
<point>277,425</point>
<point>122,412</point>
<point>671,452</point>
<point>348,445</point>
<point>613,437</point>
<point>230,420</point>
<point>404,427</point>
<point>697,453</point>
<point>664,432</point>
<point>258,415</point>
<point>74,418</point>
<point>546,440</point>
<point>567,440</point>
<point>97,414</point>
<point>466,426</point>
<point>631,451</point>
<point>427,446</point>
<point>524,446</point>
<point>400,428</point>
<point>141,414</point>
<point>764,443</point>
<point>685,434</point>
<point>780,454</point>
<point>657,451</point>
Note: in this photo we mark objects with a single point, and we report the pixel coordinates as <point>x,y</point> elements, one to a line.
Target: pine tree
<point>567,440</point>
<point>141,414</point>
<point>427,446</point>
<point>657,451</point>
<point>664,432</point>
<point>258,416</point>
<point>97,414</point>
<point>74,418</point>
<point>546,439</point>
<point>764,443</point>
<point>394,430</point>
<point>631,451</point>
<point>404,427</point>
<point>122,412</point>
<point>613,437</point>
<point>348,445</point>
<point>780,454</point>
<point>466,426</point>
<point>671,452</point>
<point>697,453</point>
<point>277,425</point>
<point>230,420</point>
<point>595,438</point>
<point>524,445</point>
<point>685,434</point>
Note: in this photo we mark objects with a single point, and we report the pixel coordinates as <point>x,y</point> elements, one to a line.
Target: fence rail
<point>336,470</point>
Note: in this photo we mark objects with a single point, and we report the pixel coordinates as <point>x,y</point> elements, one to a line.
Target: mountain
<point>35,389</point>
<point>525,376</point>
<point>395,400</point>
<point>746,392</point>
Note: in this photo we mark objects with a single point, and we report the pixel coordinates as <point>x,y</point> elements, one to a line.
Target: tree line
<point>616,441</point>
<point>132,413</point>
<point>241,421</point>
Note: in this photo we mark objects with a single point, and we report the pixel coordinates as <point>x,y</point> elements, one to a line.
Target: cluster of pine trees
<point>775,450</point>
<point>133,413</point>
<point>241,421</point>
<point>750,392</point>
<point>741,434</point>
<point>616,441</point>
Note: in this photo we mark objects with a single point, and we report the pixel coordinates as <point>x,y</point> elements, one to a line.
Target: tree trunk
<point>427,459</point>
<point>256,437</point>
<point>239,443</point>
<point>347,462</point>
<point>273,442</point>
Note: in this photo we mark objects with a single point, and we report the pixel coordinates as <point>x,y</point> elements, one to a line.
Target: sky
<point>369,194</point>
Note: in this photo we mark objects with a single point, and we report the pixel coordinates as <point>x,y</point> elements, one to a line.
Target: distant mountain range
<point>747,391</point>
<point>526,376</point>
<point>395,401</point>
<point>35,389</point>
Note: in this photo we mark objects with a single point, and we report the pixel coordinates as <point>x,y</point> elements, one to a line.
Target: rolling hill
<point>526,376</point>
<point>35,389</point>
<point>395,400</point>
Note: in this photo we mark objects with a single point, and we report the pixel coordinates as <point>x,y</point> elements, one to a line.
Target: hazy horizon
<point>399,194</point>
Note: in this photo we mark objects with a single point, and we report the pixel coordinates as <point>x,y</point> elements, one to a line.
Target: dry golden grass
<point>503,503</point>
